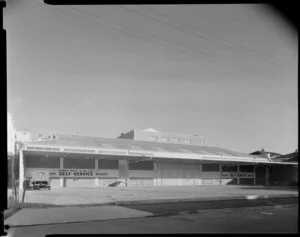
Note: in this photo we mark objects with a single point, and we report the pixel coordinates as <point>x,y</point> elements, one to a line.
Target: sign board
<point>236,175</point>
<point>73,173</point>
<point>65,173</point>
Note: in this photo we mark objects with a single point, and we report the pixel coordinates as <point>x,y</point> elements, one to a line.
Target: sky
<point>224,72</point>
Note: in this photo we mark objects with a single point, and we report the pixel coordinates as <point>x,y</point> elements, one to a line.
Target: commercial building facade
<point>81,161</point>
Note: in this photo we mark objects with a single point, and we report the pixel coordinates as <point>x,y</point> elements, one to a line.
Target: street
<point>192,207</point>
<point>275,219</point>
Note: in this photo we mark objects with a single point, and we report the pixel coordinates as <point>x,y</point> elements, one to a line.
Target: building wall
<point>23,136</point>
<point>260,172</point>
<point>107,172</point>
<point>142,173</point>
<point>11,135</point>
<point>80,182</point>
<point>128,135</point>
<point>295,168</point>
<point>169,173</point>
<point>282,175</point>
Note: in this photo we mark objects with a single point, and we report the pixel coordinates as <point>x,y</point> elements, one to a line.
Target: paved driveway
<point>75,196</point>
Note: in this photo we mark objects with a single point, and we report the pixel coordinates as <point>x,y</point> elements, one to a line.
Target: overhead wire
<point>109,27</point>
<point>185,48</point>
<point>143,38</point>
<point>241,48</point>
<point>203,51</point>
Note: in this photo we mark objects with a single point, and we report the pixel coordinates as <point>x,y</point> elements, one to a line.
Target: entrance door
<point>123,169</point>
<point>260,175</point>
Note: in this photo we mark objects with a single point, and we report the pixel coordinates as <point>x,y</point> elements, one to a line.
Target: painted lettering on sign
<point>73,173</point>
<point>70,173</point>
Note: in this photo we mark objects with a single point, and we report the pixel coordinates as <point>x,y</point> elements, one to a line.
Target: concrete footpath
<point>84,205</point>
<point>59,215</point>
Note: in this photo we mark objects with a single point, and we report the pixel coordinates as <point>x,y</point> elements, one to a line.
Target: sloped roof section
<point>63,140</point>
<point>150,130</point>
<point>291,157</point>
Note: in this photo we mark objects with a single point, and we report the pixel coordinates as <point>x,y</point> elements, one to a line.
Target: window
<point>41,162</point>
<point>141,165</point>
<point>246,168</point>
<point>79,163</point>
<point>211,167</point>
<point>108,164</point>
<point>229,168</point>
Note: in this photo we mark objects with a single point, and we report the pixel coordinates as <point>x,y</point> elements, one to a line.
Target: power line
<point>124,32</point>
<point>137,12</point>
<point>185,48</point>
<point>217,40</point>
<point>132,29</point>
<point>106,20</point>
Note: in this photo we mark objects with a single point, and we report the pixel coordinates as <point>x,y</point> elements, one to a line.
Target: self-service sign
<point>73,173</point>
<point>65,173</point>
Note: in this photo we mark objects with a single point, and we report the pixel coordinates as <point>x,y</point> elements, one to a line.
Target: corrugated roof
<point>64,140</point>
<point>291,157</point>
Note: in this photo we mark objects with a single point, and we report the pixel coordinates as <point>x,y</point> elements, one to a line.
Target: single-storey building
<point>83,161</point>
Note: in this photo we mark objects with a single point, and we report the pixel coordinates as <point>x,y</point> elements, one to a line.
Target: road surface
<point>267,219</point>
<point>167,208</point>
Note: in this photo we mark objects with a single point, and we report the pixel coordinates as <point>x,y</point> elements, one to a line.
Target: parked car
<point>38,185</point>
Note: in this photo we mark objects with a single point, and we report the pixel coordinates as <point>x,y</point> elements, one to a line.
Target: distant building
<point>291,157</point>
<point>153,135</point>
<point>265,154</point>
<point>23,136</point>
<point>42,138</point>
<point>11,135</point>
